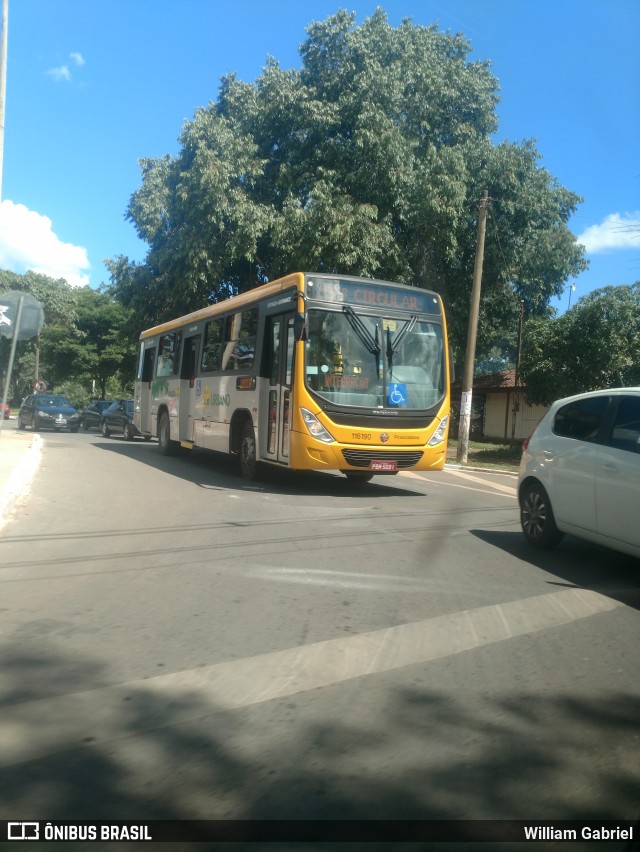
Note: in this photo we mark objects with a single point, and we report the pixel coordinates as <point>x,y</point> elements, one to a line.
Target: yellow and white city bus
<point>310,372</point>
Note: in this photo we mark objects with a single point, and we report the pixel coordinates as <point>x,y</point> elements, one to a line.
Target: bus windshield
<point>357,359</point>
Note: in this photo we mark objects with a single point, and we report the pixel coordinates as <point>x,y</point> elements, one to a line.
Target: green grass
<point>498,456</point>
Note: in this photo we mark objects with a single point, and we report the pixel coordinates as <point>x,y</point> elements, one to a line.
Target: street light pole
<point>470,358</point>
<point>3,80</point>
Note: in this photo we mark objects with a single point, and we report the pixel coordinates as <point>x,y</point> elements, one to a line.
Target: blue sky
<point>95,85</point>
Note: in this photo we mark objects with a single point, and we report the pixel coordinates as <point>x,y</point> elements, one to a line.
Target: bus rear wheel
<point>167,446</point>
<point>248,457</point>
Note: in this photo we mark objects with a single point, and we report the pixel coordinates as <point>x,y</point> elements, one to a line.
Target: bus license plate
<point>383,466</point>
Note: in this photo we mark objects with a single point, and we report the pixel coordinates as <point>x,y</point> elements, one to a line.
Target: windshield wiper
<point>361,330</point>
<point>370,342</point>
<point>393,346</point>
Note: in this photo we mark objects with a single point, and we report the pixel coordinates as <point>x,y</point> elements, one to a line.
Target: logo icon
<point>384,437</point>
<point>397,394</point>
<point>23,831</point>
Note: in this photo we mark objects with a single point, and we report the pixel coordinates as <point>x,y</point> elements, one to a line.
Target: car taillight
<point>525,443</point>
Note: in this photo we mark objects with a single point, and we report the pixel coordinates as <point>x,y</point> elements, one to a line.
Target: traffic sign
<point>18,307</point>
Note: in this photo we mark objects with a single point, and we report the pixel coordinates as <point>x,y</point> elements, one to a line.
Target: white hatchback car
<point>580,471</point>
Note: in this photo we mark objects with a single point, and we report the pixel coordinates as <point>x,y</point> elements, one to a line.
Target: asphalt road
<point>178,644</point>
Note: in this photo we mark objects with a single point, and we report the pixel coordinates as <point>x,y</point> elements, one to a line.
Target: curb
<point>16,487</point>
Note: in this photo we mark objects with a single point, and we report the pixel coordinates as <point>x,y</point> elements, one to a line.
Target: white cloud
<point>617,231</point>
<point>60,73</point>
<point>27,241</point>
<point>63,72</point>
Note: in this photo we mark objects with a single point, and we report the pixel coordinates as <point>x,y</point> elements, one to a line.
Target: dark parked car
<point>118,418</point>
<point>46,410</point>
<point>91,416</point>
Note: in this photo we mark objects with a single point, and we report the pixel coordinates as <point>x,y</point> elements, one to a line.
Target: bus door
<point>147,365</point>
<point>280,372</point>
<point>188,387</point>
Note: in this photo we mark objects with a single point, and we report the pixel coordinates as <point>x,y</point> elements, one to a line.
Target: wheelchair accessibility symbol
<point>397,395</point>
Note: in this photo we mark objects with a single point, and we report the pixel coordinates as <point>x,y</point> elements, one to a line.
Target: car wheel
<point>127,432</point>
<point>167,446</point>
<point>105,429</point>
<point>536,516</point>
<point>248,457</point>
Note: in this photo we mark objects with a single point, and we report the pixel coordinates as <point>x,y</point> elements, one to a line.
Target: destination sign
<point>374,295</point>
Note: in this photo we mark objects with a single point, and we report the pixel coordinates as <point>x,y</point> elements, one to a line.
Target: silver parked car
<point>580,471</point>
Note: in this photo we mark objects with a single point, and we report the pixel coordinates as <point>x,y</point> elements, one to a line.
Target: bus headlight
<point>315,427</point>
<point>438,435</point>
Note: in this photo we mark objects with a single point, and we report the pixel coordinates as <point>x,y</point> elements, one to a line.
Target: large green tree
<point>84,341</point>
<point>370,159</point>
<point>594,345</point>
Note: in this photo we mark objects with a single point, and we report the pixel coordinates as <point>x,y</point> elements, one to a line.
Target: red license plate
<point>383,466</point>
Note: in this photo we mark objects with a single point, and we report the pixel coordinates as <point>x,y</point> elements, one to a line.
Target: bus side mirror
<point>452,366</point>
<point>300,327</point>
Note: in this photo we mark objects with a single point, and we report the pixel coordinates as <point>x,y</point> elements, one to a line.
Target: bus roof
<point>295,279</point>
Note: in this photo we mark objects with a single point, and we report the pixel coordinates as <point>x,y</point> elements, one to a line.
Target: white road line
<point>510,491</point>
<point>37,728</point>
<point>507,489</point>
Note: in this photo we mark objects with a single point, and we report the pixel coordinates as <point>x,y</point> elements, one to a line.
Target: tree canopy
<point>594,345</point>
<point>83,341</point>
<point>369,159</point>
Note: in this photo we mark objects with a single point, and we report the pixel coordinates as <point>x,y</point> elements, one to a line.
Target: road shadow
<point>218,470</point>
<point>576,563</point>
<point>426,755</point>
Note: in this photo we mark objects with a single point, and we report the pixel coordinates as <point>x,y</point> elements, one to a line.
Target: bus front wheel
<point>167,446</point>
<point>248,459</point>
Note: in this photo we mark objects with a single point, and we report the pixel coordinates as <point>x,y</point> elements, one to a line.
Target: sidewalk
<point>19,460</point>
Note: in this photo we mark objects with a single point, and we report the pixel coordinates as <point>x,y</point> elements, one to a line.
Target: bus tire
<point>248,452</point>
<point>167,446</point>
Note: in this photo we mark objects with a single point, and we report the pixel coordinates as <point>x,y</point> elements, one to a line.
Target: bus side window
<point>148,364</point>
<point>188,369</point>
<point>240,340</point>
<point>212,347</point>
<point>169,354</point>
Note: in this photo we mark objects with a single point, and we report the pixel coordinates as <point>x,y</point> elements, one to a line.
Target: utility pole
<point>3,80</point>
<point>470,358</point>
<point>516,382</point>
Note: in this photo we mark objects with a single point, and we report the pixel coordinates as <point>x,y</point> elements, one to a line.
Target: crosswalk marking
<point>37,728</point>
